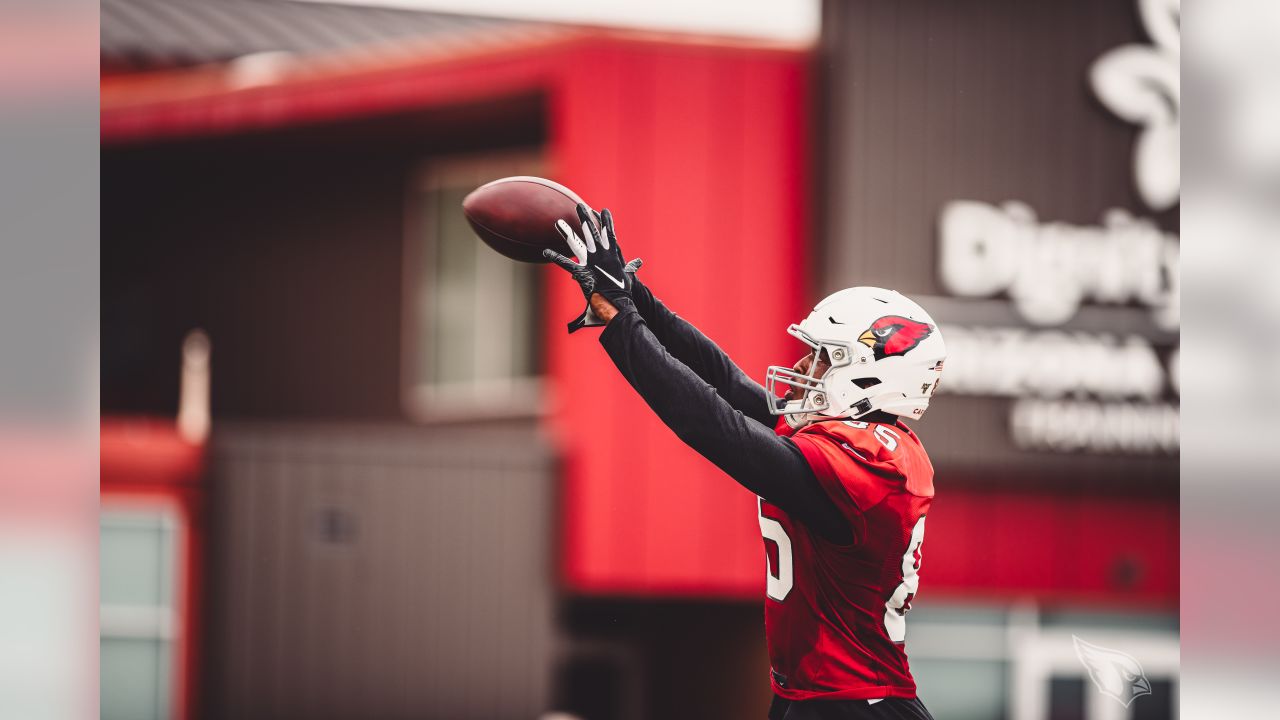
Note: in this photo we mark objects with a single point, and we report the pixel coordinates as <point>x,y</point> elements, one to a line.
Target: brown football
<point>517,215</point>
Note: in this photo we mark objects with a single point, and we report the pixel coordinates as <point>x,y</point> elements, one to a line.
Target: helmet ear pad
<point>851,386</point>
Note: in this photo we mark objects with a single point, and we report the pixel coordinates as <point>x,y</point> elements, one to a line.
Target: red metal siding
<point>158,105</point>
<point>695,150</point>
<point>1054,547</point>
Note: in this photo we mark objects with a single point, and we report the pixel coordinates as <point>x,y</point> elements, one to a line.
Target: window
<point>472,315</point>
<point>138,617</point>
<point>994,662</point>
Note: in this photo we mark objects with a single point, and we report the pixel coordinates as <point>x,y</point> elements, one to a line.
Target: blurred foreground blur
<point>1229,495</point>
<point>48,360</point>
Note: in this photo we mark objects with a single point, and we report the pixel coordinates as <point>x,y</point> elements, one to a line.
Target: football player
<point>843,485</point>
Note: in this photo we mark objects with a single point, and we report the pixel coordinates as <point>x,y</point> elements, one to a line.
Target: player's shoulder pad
<point>869,442</point>
<point>886,449</point>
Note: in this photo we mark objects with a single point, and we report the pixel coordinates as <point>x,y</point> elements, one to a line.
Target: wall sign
<point>1076,390</point>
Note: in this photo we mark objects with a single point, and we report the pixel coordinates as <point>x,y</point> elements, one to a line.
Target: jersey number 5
<point>895,609</point>
<point>778,581</point>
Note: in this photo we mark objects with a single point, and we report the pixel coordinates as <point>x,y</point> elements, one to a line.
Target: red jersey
<point>835,616</point>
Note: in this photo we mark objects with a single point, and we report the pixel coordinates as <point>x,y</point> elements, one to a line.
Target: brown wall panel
<point>287,247</point>
<point>380,572</point>
<point>937,101</point>
<point>932,102</point>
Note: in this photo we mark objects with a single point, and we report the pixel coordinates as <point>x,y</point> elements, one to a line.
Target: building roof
<point>184,68</point>
<point>140,35</point>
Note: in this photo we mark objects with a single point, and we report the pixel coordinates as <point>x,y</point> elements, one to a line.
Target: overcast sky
<point>788,20</point>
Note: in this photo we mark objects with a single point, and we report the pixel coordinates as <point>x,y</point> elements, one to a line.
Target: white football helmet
<point>886,354</point>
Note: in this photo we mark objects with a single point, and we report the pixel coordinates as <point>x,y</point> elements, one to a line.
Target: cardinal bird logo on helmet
<point>894,335</point>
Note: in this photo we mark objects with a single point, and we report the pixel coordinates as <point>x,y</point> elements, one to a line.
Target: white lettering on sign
<point>1076,426</point>
<point>1141,84</point>
<point>1016,362</point>
<point>1049,269</point>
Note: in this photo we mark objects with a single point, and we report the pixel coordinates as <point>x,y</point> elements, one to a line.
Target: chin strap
<point>797,421</point>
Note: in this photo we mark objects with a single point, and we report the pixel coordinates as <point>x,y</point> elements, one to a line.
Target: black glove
<point>603,270</point>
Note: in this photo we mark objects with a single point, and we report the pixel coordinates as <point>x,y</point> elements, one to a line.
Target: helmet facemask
<point>815,397</point>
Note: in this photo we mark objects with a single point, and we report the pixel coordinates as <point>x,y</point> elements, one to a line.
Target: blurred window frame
<point>160,622</point>
<point>425,397</point>
<point>1034,647</point>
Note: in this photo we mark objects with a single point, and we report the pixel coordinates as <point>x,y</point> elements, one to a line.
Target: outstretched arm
<point>752,454</point>
<point>770,466</point>
<point>702,356</point>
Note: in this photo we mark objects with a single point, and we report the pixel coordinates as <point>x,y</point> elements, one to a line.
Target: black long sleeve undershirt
<point>688,345</point>
<point>743,446</point>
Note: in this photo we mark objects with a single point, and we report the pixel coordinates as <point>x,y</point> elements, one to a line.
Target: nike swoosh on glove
<point>600,267</point>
